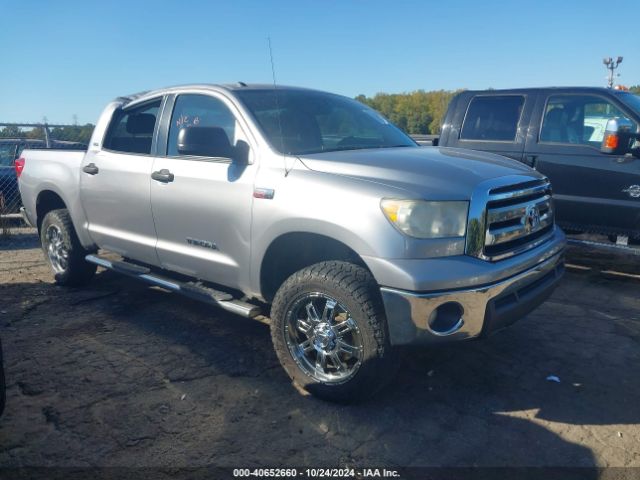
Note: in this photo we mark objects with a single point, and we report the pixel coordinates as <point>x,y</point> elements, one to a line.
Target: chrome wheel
<point>56,250</point>
<point>326,346</point>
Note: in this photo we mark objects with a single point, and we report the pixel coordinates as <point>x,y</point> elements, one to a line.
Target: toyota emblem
<point>531,218</point>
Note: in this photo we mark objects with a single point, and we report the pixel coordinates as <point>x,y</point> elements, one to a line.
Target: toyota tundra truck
<point>305,209</point>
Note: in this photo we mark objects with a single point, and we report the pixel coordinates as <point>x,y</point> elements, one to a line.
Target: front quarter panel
<point>343,209</point>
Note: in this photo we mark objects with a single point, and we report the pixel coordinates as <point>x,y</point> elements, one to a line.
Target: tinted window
<point>131,130</point>
<point>493,118</point>
<point>301,121</point>
<point>199,111</point>
<point>577,119</point>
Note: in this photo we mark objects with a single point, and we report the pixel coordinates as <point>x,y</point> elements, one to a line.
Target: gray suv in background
<point>306,207</point>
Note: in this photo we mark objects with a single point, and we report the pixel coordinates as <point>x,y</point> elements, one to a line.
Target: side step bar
<point>612,247</point>
<point>193,290</point>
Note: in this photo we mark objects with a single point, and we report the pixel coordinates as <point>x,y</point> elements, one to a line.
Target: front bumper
<point>485,309</point>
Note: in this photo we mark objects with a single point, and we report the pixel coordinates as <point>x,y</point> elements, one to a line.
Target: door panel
<point>115,185</point>
<point>203,218</point>
<point>202,208</point>
<point>116,201</point>
<point>589,186</point>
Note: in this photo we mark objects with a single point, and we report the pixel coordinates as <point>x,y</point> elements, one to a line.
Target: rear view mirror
<point>204,142</point>
<point>617,135</point>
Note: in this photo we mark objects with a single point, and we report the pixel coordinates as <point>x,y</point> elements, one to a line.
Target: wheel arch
<point>294,251</point>
<point>47,201</point>
<point>49,198</point>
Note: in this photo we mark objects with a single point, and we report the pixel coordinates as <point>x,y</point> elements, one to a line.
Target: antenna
<point>275,88</point>
<point>273,69</point>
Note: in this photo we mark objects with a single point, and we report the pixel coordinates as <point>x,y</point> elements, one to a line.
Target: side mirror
<point>204,142</point>
<point>241,155</point>
<point>617,135</point>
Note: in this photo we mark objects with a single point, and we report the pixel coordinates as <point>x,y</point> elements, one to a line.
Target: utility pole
<point>611,65</point>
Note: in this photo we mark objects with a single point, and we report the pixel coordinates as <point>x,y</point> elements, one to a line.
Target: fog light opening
<point>446,319</point>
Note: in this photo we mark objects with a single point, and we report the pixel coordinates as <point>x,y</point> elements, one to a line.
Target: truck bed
<point>50,170</point>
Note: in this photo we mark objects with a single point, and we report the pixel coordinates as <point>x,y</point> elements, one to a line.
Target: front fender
<point>342,209</point>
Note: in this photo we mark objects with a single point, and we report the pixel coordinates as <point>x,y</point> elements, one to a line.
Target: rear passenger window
<point>131,130</point>
<point>493,118</point>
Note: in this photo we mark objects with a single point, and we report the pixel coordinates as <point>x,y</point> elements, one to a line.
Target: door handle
<point>91,169</point>
<point>164,176</point>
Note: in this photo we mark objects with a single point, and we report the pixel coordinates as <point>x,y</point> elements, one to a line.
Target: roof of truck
<point>559,89</point>
<point>140,96</point>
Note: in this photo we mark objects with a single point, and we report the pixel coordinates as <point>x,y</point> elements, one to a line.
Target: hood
<point>433,173</point>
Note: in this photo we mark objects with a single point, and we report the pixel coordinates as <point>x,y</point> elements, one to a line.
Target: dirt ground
<point>120,374</point>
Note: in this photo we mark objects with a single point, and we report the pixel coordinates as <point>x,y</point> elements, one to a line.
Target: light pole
<point>611,65</point>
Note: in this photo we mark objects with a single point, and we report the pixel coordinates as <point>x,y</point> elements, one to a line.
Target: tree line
<point>70,133</point>
<point>417,112</point>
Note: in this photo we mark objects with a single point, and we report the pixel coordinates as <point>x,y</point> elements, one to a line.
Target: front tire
<point>329,332</point>
<point>63,250</point>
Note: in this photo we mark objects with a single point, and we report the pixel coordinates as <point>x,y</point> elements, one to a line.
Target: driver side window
<point>193,110</point>
<point>577,119</point>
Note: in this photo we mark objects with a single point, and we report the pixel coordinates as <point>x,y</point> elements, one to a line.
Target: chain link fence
<point>10,201</point>
<point>14,138</point>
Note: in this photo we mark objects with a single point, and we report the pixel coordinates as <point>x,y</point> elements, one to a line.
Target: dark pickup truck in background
<point>562,132</point>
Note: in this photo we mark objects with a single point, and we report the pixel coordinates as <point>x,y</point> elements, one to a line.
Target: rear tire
<point>63,250</point>
<point>329,332</point>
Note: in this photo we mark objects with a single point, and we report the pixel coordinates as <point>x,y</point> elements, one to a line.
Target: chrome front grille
<point>514,218</point>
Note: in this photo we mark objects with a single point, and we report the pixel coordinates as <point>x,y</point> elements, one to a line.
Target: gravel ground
<point>120,374</point>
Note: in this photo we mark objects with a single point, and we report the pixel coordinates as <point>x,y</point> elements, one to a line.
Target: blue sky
<point>68,57</point>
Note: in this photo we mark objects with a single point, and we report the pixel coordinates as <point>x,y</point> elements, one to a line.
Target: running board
<point>194,290</point>
<point>612,247</point>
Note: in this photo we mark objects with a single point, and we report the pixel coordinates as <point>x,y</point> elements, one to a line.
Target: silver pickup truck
<point>305,207</point>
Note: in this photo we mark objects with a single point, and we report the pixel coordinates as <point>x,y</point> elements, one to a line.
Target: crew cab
<point>560,133</point>
<point>305,207</point>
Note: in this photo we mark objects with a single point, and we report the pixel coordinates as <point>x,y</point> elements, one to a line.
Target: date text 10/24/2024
<point>362,473</point>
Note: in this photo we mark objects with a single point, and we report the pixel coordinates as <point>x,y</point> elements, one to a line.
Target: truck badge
<point>531,218</point>
<point>633,191</point>
<point>202,243</point>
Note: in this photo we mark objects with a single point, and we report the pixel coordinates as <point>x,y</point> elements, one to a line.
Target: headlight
<point>423,219</point>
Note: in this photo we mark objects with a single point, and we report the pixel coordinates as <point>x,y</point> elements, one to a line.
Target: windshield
<point>631,100</point>
<point>299,121</point>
